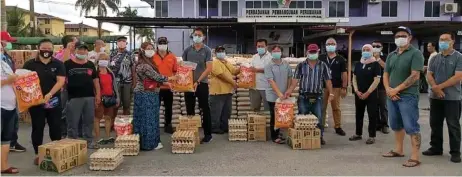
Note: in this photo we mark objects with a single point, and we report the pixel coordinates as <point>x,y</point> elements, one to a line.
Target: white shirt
<point>8,95</point>
<point>431,57</point>
<point>260,63</point>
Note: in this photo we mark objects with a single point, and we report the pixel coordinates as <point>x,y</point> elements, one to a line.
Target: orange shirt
<point>167,65</point>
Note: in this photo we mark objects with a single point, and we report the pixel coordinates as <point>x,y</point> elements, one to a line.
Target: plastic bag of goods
<point>284,113</point>
<point>123,125</point>
<point>184,77</point>
<point>27,89</point>
<point>246,78</point>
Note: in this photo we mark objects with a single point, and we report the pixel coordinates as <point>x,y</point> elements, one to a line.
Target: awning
<point>57,40</point>
<point>143,22</point>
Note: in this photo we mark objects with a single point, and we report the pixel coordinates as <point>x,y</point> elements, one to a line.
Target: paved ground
<point>338,157</point>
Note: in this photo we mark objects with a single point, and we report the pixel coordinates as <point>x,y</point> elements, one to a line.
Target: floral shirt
<point>121,63</point>
<point>145,71</point>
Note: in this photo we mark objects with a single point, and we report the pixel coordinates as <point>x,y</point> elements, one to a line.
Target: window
<point>161,8</point>
<point>213,8</point>
<point>85,29</point>
<point>261,4</point>
<point>389,8</point>
<point>305,4</point>
<point>432,9</point>
<point>336,8</point>
<point>358,8</point>
<point>47,31</point>
<point>229,8</point>
<point>47,21</point>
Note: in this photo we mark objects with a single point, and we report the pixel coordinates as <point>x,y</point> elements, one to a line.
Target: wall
<point>57,27</point>
<point>90,32</point>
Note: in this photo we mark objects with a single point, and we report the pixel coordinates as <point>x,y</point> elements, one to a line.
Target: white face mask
<point>376,50</point>
<point>400,42</point>
<point>102,49</point>
<point>149,53</point>
<point>103,63</point>
<point>162,47</point>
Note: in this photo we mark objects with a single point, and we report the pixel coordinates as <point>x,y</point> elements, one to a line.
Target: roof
<point>417,27</point>
<point>153,22</point>
<point>38,15</point>
<point>57,40</point>
<point>77,25</point>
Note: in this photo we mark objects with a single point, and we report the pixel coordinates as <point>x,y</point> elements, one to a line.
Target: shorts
<point>7,125</point>
<point>101,111</point>
<point>404,113</point>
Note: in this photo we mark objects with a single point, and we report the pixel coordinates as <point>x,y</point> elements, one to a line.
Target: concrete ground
<point>220,157</point>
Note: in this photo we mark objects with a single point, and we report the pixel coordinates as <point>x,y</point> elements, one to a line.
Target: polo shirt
<point>311,80</point>
<point>8,98</point>
<point>280,74</point>
<point>337,66</point>
<point>200,57</point>
<point>260,62</point>
<point>443,68</point>
<point>167,65</point>
<point>47,73</point>
<point>400,66</point>
<point>365,75</point>
<point>217,85</point>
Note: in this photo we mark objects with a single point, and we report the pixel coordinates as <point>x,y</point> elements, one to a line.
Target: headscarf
<point>369,60</point>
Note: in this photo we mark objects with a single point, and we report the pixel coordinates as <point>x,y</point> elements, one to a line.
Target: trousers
<point>449,110</point>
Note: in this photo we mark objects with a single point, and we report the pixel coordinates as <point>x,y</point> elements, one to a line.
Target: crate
<point>183,142</point>
<point>62,155</point>
<point>106,159</point>
<point>129,143</point>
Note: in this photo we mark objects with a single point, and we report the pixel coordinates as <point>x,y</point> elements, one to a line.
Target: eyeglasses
<point>377,46</point>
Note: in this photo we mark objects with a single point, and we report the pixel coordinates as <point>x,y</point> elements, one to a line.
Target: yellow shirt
<point>217,84</point>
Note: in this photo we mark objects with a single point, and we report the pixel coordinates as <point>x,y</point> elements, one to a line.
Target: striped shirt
<point>311,80</point>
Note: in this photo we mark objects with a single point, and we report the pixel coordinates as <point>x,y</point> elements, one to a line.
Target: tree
<point>128,12</point>
<point>86,6</point>
<point>3,20</point>
<point>145,33</point>
<point>15,20</point>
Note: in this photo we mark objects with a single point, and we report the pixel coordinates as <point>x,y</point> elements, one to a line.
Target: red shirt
<point>105,81</point>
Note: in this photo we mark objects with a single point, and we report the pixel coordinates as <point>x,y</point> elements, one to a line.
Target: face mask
<point>80,57</point>
<point>121,45</point>
<point>162,47</point>
<point>221,55</point>
<point>261,50</point>
<point>8,46</point>
<point>443,45</point>
<point>400,42</point>
<point>197,39</point>
<point>102,49</point>
<point>331,48</point>
<point>366,55</point>
<point>149,53</point>
<point>313,56</point>
<point>103,63</point>
<point>376,50</point>
<point>45,53</point>
<point>276,55</point>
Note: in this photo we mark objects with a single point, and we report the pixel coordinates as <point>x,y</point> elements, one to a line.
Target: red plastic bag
<point>284,113</point>
<point>123,125</point>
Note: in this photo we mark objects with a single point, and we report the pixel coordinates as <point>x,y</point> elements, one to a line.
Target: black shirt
<point>337,66</point>
<point>47,73</point>
<point>365,75</point>
<point>384,59</point>
<point>80,79</point>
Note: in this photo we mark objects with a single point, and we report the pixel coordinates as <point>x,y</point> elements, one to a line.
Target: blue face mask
<point>313,56</point>
<point>443,45</point>
<point>197,39</point>
<point>331,48</point>
<point>276,55</point>
<point>366,55</point>
<point>8,46</point>
<point>80,57</point>
<point>261,51</point>
<point>221,55</point>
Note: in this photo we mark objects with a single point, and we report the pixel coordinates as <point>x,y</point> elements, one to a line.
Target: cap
<point>162,40</point>
<point>220,48</point>
<point>402,28</point>
<point>121,38</point>
<point>81,45</point>
<point>5,36</point>
<point>312,48</point>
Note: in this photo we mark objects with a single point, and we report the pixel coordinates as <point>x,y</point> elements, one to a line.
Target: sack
<point>284,113</point>
<point>184,78</point>
<point>28,91</point>
<point>109,101</point>
<point>150,84</point>
<point>123,125</point>
<point>246,78</point>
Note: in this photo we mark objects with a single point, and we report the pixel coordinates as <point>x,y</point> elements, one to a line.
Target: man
<point>52,75</point>
<point>382,123</point>
<point>259,61</point>
<point>338,71</point>
<point>444,76</point>
<point>312,74</point>
<point>8,105</point>
<point>167,64</point>
<point>431,49</point>
<point>401,76</point>
<point>99,48</point>
<point>202,55</point>
<point>6,40</point>
<point>84,93</point>
<point>122,63</point>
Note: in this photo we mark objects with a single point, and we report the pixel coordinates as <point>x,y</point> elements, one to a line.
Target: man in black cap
<point>83,92</point>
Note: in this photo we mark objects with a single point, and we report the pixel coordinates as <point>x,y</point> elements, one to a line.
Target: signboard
<point>284,13</point>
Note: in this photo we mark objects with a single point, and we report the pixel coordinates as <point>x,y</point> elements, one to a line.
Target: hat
<point>402,28</point>
<point>220,48</point>
<point>162,40</point>
<point>81,45</point>
<point>312,48</point>
<point>121,38</point>
<point>5,36</point>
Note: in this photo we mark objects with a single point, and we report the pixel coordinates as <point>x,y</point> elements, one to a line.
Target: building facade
<point>47,24</point>
<point>74,29</point>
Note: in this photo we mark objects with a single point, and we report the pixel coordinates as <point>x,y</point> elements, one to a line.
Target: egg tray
<point>106,159</point>
<point>309,119</point>
<point>237,136</point>
<point>304,126</point>
<point>130,150</point>
<point>183,136</point>
<point>183,147</point>
<point>128,139</point>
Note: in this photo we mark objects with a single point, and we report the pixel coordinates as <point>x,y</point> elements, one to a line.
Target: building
<point>47,24</point>
<point>298,22</point>
<point>74,29</point>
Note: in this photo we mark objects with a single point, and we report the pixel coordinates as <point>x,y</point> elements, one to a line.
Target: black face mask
<point>46,53</point>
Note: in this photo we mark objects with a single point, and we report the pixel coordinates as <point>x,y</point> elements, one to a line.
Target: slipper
<point>411,163</point>
<point>392,154</point>
<point>11,170</point>
<point>278,141</point>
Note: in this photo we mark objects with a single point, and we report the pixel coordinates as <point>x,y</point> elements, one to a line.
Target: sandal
<point>411,163</point>
<point>279,141</point>
<point>392,154</point>
<point>11,170</point>
<point>370,141</point>
<point>355,138</point>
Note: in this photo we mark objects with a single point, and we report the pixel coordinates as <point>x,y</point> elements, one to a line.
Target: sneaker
<point>455,159</point>
<point>206,139</point>
<point>385,130</point>
<point>101,141</point>
<point>159,146</point>
<point>431,153</point>
<point>355,138</point>
<point>17,148</point>
<point>370,141</point>
<point>168,129</point>
<point>110,140</point>
<point>93,146</point>
<point>322,141</point>
<point>340,131</point>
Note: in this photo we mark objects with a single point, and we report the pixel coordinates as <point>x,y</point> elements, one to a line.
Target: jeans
<point>80,110</point>
<point>311,106</point>
<point>53,119</point>
<point>274,133</point>
<point>202,94</point>
<point>7,125</point>
<point>14,136</point>
<point>404,113</point>
<point>166,96</point>
<point>220,110</point>
<point>360,106</point>
<point>383,110</point>
<point>439,110</point>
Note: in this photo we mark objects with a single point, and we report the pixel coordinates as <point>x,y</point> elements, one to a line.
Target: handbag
<point>109,101</point>
<point>150,84</point>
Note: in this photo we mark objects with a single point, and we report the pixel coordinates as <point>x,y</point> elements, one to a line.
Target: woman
<point>366,78</point>
<point>110,95</point>
<point>221,87</point>
<point>278,74</point>
<point>146,110</point>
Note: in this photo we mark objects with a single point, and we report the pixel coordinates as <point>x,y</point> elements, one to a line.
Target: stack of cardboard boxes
<point>256,126</point>
<point>62,155</point>
<point>237,129</point>
<point>130,144</point>
<point>106,159</point>
<point>183,142</point>
<point>190,123</point>
<point>305,134</point>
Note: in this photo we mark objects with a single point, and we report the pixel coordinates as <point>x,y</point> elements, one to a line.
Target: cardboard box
<point>256,119</point>
<point>191,121</point>
<point>294,143</point>
<point>60,156</point>
<point>301,134</point>
<point>30,54</point>
<point>256,136</point>
<point>256,127</point>
<point>18,57</point>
